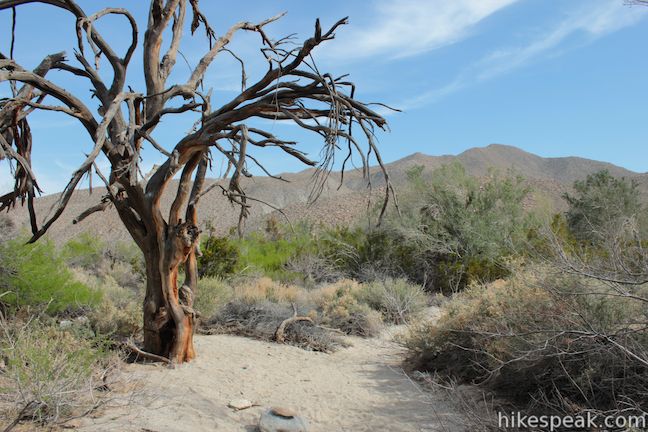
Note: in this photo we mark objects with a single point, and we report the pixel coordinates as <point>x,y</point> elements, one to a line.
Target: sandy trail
<point>360,388</point>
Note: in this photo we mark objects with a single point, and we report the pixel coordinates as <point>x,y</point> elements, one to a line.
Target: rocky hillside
<point>339,204</point>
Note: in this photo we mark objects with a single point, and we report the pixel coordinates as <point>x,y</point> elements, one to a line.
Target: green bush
<point>598,204</point>
<point>85,251</point>
<point>220,257</point>
<point>259,254</point>
<point>452,229</point>
<point>41,278</point>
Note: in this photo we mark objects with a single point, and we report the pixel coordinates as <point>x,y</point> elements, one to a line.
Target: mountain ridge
<point>550,177</point>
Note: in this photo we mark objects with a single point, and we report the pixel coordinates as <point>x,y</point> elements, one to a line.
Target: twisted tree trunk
<point>168,305</point>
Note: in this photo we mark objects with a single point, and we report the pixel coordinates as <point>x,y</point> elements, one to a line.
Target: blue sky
<point>555,78</point>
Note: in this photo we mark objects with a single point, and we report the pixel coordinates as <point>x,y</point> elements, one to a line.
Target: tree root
<point>279,335</point>
<point>147,355</point>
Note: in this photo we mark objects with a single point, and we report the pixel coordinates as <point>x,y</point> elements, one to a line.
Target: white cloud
<point>404,28</point>
<point>598,19</point>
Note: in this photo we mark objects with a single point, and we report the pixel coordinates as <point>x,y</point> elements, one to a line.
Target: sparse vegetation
<point>566,333</point>
<point>549,318</point>
<point>51,375</point>
<point>498,272</point>
<point>259,306</point>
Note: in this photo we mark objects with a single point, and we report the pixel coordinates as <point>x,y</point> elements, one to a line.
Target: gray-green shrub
<point>396,299</point>
<point>212,293</point>
<point>50,372</point>
<point>541,337</point>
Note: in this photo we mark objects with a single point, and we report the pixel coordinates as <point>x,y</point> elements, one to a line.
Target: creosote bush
<point>41,278</point>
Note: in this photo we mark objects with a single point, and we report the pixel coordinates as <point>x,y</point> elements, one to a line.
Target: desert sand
<point>359,388</point>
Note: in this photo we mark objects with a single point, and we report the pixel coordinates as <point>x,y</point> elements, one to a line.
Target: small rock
<point>278,419</point>
<point>65,324</point>
<point>240,404</point>
<point>82,320</point>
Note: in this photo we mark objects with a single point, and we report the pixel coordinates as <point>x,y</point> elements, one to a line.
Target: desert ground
<point>359,388</point>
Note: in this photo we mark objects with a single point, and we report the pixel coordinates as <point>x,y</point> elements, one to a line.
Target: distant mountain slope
<point>479,160</point>
<point>338,204</point>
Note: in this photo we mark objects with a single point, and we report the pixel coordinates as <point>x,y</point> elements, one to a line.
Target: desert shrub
<point>119,314</point>
<point>264,288</point>
<point>258,306</point>
<point>598,202</point>
<point>127,264</point>
<point>341,247</point>
<point>543,339</point>
<point>126,275</point>
<point>270,256</point>
<point>220,257</point>
<point>452,230</point>
<point>212,293</point>
<point>314,268</point>
<point>338,307</point>
<point>122,261</point>
<point>41,277</point>
<point>7,228</point>
<point>367,254</point>
<point>455,229</point>
<point>260,320</point>
<point>396,299</point>
<point>7,264</point>
<point>50,375</point>
<point>85,251</point>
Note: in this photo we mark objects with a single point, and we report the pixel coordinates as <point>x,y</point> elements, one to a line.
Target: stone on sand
<point>279,419</point>
<point>240,404</point>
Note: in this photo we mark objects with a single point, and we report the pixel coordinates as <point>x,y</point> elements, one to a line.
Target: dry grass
<point>541,340</point>
<point>52,375</point>
<point>264,288</point>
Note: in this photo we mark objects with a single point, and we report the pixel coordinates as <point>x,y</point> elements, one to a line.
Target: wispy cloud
<point>63,122</point>
<point>404,28</point>
<point>598,19</point>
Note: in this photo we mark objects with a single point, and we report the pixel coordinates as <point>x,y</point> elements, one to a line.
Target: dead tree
<point>291,89</point>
